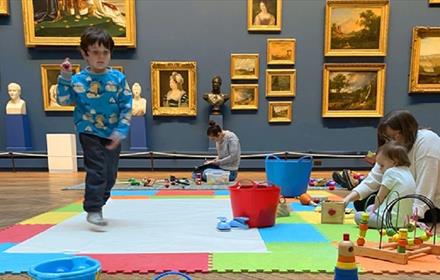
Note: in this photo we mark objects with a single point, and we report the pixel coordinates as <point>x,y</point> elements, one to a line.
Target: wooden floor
<point>27,194</point>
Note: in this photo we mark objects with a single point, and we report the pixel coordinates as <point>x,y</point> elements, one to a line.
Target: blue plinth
<point>138,134</point>
<point>18,134</point>
<point>218,120</point>
<point>346,274</point>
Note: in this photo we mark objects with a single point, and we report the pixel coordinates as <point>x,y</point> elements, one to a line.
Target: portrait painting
<point>280,111</point>
<point>244,97</point>
<point>425,60</point>
<point>356,28</point>
<point>174,86</point>
<point>281,51</point>
<point>264,15</point>
<point>4,7</point>
<point>280,82</point>
<point>61,23</point>
<point>49,86</point>
<point>353,90</point>
<point>245,66</point>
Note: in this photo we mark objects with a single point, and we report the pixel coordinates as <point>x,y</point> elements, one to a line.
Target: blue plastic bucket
<point>74,268</point>
<point>292,176</point>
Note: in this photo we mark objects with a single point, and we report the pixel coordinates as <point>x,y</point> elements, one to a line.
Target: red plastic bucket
<point>258,202</point>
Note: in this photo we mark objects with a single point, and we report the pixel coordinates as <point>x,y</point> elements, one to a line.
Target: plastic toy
<point>223,224</point>
<point>134,182</point>
<point>346,265</point>
<point>306,199</point>
<point>333,212</point>
<point>363,228</point>
<point>239,222</point>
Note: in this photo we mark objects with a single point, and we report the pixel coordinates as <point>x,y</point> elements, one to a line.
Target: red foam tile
<point>20,233</point>
<point>146,263</point>
<point>185,192</point>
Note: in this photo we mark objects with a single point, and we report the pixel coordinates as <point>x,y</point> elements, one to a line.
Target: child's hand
<point>66,66</point>
<point>115,140</point>
<point>370,158</point>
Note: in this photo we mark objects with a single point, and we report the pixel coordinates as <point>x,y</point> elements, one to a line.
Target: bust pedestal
<point>138,133</point>
<point>218,120</point>
<point>18,135</point>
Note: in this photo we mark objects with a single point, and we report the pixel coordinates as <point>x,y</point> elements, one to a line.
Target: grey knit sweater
<point>229,151</point>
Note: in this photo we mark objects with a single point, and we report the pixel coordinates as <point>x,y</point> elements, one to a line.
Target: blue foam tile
<point>5,246</point>
<point>134,193</point>
<point>19,263</point>
<point>296,206</point>
<point>221,192</point>
<point>292,233</point>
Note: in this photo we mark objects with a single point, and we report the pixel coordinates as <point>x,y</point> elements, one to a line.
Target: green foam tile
<point>292,219</point>
<point>73,207</point>
<point>334,232</point>
<point>295,258</point>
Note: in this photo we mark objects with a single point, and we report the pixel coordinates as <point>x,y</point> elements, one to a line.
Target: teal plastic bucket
<point>292,176</point>
<point>74,268</point>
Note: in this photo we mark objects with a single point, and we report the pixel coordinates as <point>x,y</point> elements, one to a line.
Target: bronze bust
<point>215,98</point>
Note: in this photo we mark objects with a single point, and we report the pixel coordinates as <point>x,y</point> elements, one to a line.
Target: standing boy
<point>102,100</point>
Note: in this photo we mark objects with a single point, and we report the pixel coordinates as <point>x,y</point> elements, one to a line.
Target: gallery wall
<point>208,31</point>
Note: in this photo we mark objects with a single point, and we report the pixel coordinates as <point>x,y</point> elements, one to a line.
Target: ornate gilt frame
<point>272,118</point>
<point>383,36</point>
<point>235,106</point>
<point>156,68</point>
<point>270,73</point>
<point>45,84</point>
<point>420,32</point>
<point>238,76</point>
<point>434,2</point>
<point>270,42</point>
<point>254,27</point>
<point>4,7</point>
<point>31,40</point>
<point>379,68</point>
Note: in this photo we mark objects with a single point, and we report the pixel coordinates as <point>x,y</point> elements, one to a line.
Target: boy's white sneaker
<point>96,218</point>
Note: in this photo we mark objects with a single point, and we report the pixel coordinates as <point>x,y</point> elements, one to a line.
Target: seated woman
<point>228,151</point>
<point>423,153</point>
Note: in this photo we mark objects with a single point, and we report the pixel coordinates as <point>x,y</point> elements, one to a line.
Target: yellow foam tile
<point>49,218</point>
<point>319,192</point>
<point>310,217</point>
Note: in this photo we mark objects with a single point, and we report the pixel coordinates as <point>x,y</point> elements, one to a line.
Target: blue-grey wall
<point>208,31</point>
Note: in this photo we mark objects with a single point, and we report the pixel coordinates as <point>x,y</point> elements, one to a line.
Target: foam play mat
<point>159,230</point>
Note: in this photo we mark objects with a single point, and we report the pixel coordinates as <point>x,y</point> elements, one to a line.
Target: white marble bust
<point>139,104</point>
<point>16,105</point>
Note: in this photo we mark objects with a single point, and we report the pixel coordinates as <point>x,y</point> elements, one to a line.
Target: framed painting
<point>280,82</point>
<point>425,60</point>
<point>356,27</point>
<point>264,15</point>
<point>244,97</point>
<point>60,23</point>
<point>433,2</point>
<point>280,111</point>
<point>174,88</point>
<point>4,7</point>
<point>49,84</point>
<point>119,68</point>
<point>281,51</point>
<point>353,90</point>
<point>245,66</point>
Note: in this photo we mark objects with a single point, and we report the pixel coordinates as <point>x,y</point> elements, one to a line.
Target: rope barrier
<point>201,156</point>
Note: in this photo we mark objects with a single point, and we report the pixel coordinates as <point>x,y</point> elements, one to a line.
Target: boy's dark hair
<point>92,35</point>
<point>214,129</point>
<point>402,121</point>
<point>395,152</point>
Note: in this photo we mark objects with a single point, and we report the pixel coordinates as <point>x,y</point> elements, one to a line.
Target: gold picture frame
<point>356,27</point>
<point>174,79</point>
<point>244,97</point>
<point>434,2</point>
<point>264,15</point>
<point>279,111</point>
<point>4,7</point>
<point>245,66</point>
<point>281,51</point>
<point>424,74</point>
<point>49,82</point>
<point>280,82</point>
<point>353,90</point>
<point>59,27</point>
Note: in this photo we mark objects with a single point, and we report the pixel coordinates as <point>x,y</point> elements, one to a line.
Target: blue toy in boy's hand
<point>223,224</point>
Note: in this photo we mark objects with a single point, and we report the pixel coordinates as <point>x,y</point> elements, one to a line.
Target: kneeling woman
<point>228,150</point>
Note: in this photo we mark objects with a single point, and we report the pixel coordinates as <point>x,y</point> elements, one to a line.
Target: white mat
<point>148,226</point>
